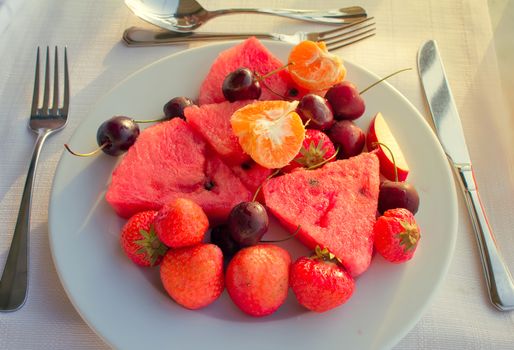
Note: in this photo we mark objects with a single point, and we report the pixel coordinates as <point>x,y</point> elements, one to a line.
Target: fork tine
<point>46,93</point>
<point>322,35</point>
<point>55,103</point>
<point>332,48</point>
<point>66,98</point>
<point>329,39</point>
<point>35,94</point>
<point>348,40</point>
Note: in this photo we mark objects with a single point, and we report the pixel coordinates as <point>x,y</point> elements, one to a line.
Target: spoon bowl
<point>187,15</point>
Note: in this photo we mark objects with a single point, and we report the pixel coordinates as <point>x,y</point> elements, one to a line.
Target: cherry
<point>397,194</point>
<point>346,101</point>
<point>346,135</point>
<point>248,222</point>
<point>175,107</point>
<point>114,136</point>
<point>220,235</point>
<point>241,84</point>
<point>316,111</point>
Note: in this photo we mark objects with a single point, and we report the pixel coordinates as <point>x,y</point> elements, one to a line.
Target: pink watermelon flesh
<point>212,121</point>
<point>251,54</point>
<point>334,205</point>
<point>170,160</point>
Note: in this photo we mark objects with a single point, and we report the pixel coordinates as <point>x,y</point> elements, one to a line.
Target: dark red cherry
<point>117,134</point>
<point>248,222</point>
<point>346,135</point>
<point>317,111</point>
<point>220,235</point>
<point>395,194</point>
<point>175,107</point>
<point>241,84</point>
<point>346,101</point>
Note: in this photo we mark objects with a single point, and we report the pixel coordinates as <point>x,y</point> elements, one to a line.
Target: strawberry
<point>139,241</point>
<point>319,282</point>
<point>181,223</point>
<point>257,279</point>
<point>193,276</point>
<point>396,235</point>
<point>316,149</point>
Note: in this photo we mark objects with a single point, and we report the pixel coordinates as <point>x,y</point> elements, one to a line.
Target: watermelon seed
<point>246,165</point>
<point>209,185</point>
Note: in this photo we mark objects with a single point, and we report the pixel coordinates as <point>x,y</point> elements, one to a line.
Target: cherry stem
<point>324,161</point>
<point>285,239</point>
<point>262,183</point>
<point>381,80</point>
<point>271,90</point>
<point>149,120</point>
<point>87,154</point>
<point>392,157</point>
<point>262,77</point>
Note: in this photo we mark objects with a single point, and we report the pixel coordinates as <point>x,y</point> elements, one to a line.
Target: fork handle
<point>13,284</point>
<point>135,36</point>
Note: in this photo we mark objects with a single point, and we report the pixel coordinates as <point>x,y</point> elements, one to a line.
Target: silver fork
<point>43,121</point>
<point>334,38</point>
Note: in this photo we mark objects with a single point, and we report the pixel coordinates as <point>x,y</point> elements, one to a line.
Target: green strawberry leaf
<point>150,245</point>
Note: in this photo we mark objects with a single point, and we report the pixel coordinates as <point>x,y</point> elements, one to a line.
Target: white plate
<point>127,306</point>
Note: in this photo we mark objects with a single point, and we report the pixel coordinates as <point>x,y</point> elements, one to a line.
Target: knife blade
<point>451,136</point>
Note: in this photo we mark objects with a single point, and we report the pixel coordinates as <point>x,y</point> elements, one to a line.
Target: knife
<point>451,136</point>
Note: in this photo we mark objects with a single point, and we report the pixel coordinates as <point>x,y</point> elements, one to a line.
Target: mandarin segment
<point>271,132</point>
<point>312,67</point>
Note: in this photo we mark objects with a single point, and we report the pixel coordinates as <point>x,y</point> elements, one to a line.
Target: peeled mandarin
<point>312,67</point>
<point>271,132</point>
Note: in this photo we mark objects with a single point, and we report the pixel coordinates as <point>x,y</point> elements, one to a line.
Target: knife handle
<point>498,278</point>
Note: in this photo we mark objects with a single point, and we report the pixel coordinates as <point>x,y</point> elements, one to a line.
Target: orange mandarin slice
<point>271,132</point>
<point>312,67</point>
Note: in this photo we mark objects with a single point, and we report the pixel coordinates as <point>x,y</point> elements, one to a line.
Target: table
<point>460,316</point>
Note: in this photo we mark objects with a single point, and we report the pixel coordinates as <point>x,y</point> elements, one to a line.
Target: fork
<point>43,121</point>
<point>334,38</point>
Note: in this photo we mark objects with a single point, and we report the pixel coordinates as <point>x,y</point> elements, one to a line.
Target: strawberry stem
<point>392,157</point>
<point>262,183</point>
<point>87,154</point>
<point>324,161</point>
<point>381,80</point>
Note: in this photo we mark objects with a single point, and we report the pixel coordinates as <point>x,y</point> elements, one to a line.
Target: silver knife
<point>449,131</point>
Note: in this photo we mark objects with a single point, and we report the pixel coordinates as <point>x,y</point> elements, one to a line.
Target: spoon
<point>188,15</point>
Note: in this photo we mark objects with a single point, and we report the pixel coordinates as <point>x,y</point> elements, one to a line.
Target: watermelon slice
<point>251,54</point>
<point>170,160</point>
<point>335,206</point>
<point>212,121</point>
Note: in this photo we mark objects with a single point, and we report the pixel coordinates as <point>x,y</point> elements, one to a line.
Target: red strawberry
<point>181,223</point>
<point>258,279</point>
<point>396,235</point>
<point>319,282</point>
<point>193,276</point>
<point>316,149</point>
<point>139,241</point>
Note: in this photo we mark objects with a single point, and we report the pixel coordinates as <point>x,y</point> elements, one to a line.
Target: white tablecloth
<point>460,317</point>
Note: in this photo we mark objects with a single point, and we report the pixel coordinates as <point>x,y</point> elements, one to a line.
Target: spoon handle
<point>135,36</point>
<point>336,16</point>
